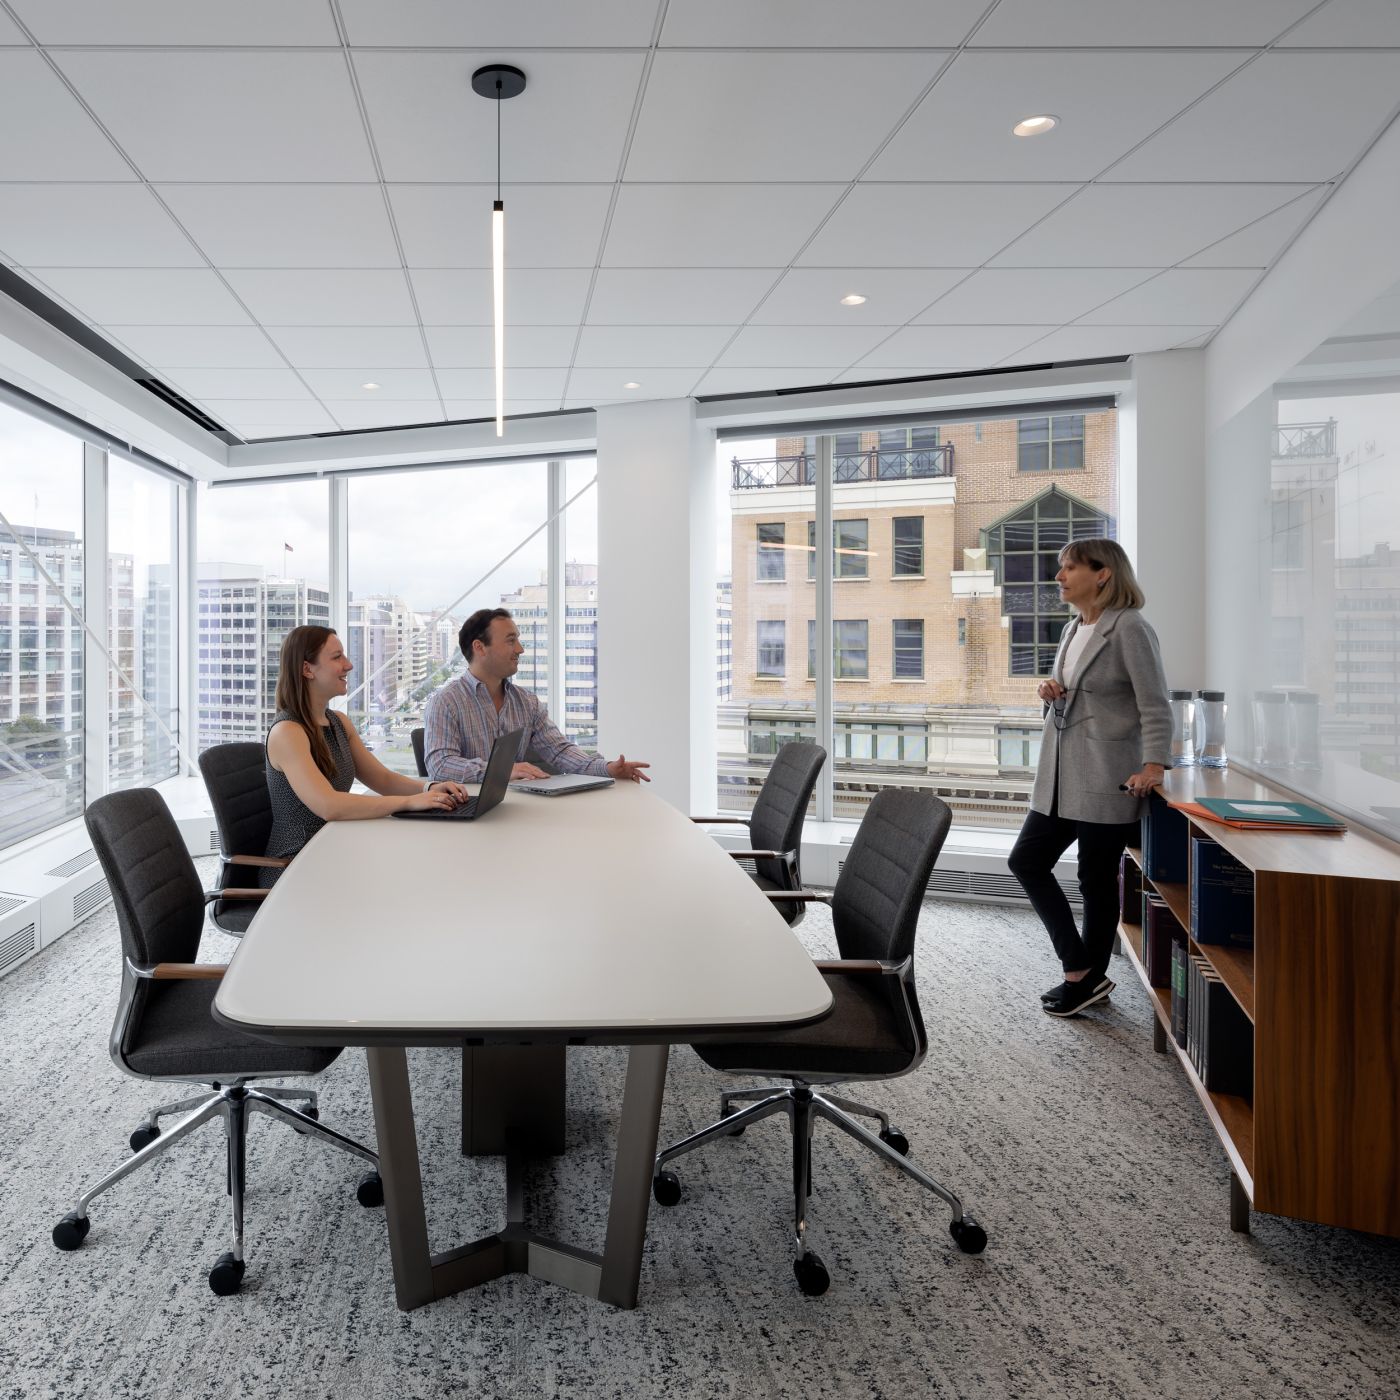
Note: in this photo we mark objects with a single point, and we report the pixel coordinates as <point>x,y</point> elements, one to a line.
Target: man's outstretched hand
<point>626,772</point>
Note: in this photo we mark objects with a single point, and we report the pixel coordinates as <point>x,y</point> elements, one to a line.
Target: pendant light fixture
<point>499,81</point>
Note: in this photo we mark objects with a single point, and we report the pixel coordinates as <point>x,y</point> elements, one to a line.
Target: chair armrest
<point>856,965</point>
<point>177,972</point>
<point>263,862</point>
<point>211,895</point>
<point>721,821</point>
<point>756,855</point>
<point>798,896</point>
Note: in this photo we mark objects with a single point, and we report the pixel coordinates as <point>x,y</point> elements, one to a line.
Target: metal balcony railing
<point>1293,440</point>
<point>872,464</point>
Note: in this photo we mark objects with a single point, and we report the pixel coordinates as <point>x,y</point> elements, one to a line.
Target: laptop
<point>493,786</point>
<point>561,783</point>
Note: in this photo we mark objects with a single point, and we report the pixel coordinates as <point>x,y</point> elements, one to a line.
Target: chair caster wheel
<point>971,1238</point>
<point>812,1277</point>
<point>666,1188</point>
<point>370,1190</point>
<point>226,1277</point>
<point>892,1137</point>
<point>144,1136</point>
<point>71,1231</point>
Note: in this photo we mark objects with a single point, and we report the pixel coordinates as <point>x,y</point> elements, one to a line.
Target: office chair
<point>165,1029</point>
<point>775,825</point>
<point>235,777</point>
<point>874,1030</point>
<point>415,737</point>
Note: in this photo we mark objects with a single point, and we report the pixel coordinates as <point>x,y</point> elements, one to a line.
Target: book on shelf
<point>1224,1038</point>
<point>1129,890</point>
<point>1180,968</point>
<point>1261,814</point>
<point>1222,896</point>
<point>1159,928</point>
<point>1164,842</point>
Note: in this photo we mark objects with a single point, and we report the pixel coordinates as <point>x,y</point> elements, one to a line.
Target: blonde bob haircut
<point>1120,589</point>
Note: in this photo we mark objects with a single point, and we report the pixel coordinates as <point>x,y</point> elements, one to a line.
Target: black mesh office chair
<point>874,1031</point>
<point>775,825</point>
<point>236,780</point>
<point>164,1027</point>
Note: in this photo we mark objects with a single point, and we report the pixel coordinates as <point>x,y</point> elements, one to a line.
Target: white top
<point>1075,650</point>
<point>610,911</point>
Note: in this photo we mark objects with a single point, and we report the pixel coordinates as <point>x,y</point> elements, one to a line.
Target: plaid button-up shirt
<point>460,724</point>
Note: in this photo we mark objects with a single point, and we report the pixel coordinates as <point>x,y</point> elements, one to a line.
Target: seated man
<point>464,718</point>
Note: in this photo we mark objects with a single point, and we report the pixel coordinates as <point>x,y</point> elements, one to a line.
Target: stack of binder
<point>1261,814</point>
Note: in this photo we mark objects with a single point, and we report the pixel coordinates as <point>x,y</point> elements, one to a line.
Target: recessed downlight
<point>1035,126</point>
<point>854,299</point>
<point>370,385</point>
<point>631,384</point>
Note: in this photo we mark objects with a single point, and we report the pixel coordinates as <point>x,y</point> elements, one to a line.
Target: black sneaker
<point>1056,992</point>
<point>1078,995</point>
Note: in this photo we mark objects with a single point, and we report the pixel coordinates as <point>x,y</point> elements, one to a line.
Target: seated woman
<point>314,754</point>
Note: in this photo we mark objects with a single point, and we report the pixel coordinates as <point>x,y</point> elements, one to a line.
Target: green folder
<point>1268,811</point>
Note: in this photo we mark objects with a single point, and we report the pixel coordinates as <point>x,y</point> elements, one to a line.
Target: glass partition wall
<point>944,614</point>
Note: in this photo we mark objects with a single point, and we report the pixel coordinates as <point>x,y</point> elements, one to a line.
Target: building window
<point>1023,549</point>
<point>772,557</point>
<point>908,546</point>
<point>862,741</point>
<point>772,650</point>
<point>767,734</point>
<point>851,651</point>
<point>1050,444</point>
<point>1018,748</point>
<point>1287,539</point>
<point>962,631</point>
<point>851,543</point>
<point>908,648</point>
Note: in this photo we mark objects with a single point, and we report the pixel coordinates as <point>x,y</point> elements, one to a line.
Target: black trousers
<point>1043,840</point>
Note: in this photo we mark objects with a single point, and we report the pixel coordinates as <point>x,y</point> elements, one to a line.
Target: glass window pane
<point>772,558</point>
<point>852,548</point>
<point>771,649</point>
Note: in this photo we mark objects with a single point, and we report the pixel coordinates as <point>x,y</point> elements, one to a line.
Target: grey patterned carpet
<point>1111,1268</point>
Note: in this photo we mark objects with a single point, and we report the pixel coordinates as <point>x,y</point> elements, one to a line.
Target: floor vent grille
<point>216,847</point>
<point>18,946</point>
<point>8,902</point>
<point>88,900</point>
<point>71,867</point>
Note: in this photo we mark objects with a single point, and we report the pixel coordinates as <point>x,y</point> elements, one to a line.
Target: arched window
<point>1023,551</point>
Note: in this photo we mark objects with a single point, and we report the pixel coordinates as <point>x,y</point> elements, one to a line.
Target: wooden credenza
<point>1321,987</point>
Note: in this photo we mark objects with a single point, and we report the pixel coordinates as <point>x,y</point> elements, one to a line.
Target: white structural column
<point>656,595</point>
<point>1162,504</point>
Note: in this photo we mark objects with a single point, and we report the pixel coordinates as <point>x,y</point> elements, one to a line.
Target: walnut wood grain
<point>188,972</point>
<point>264,862</point>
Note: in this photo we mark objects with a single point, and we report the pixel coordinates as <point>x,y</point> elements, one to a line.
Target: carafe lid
<point>1182,695</point>
<point>1210,694</point>
<point>1270,697</point>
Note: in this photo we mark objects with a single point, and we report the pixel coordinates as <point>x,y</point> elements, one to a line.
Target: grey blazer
<point>1117,716</point>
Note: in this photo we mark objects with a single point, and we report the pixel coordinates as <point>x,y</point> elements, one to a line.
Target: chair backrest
<point>235,776</point>
<point>156,890</point>
<point>776,823</point>
<point>875,906</point>
<point>415,737</point>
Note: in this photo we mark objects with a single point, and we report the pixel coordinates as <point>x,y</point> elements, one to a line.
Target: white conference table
<point>600,918</point>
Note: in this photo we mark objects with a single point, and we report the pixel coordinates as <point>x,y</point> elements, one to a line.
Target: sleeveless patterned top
<point>293,822</point>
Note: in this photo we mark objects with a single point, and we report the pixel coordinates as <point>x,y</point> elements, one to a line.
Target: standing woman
<point>1105,746</point>
<point>314,753</point>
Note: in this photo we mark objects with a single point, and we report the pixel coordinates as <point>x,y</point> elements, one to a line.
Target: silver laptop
<point>560,783</point>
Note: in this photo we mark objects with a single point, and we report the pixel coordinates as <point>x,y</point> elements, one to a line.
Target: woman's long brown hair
<point>303,645</point>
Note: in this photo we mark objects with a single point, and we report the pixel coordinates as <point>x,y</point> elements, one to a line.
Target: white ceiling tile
<point>759,379</point>
<point>384,413</point>
<point>812,295</point>
<point>1201,296</point>
<point>1360,24</point>
<point>864,373</point>
<point>53,226</point>
<point>344,384</point>
<point>351,347</point>
<point>1141,225</point>
<point>319,297</point>
<point>554,24</point>
<point>305,415</point>
<point>204,384</point>
<point>1112,23</point>
<point>1106,104</point>
<point>568,124</point>
<point>280,23</point>
<point>200,347</point>
<point>1095,342</point>
<point>696,296</point>
<point>523,381</point>
<point>535,296</point>
<point>1287,116</point>
<point>634,347</point>
<point>450,225</point>
<point>656,383</point>
<point>952,225</point>
<point>785,116</point>
<point>469,347</point>
<point>50,137</point>
<point>715,225</point>
<point>185,296</point>
<point>1040,295</point>
<point>756,346</point>
<point>971,346</point>
<point>286,225</point>
<point>468,410</point>
<point>1195,342</point>
<point>1259,243</point>
<point>819,24</point>
<point>239,114</point>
